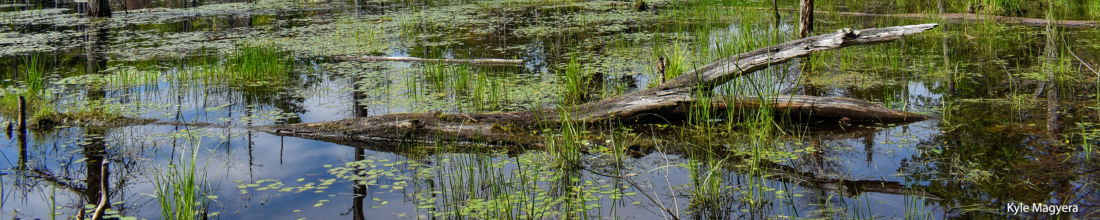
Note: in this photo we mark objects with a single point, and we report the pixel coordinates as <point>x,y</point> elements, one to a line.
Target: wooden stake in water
<point>22,114</point>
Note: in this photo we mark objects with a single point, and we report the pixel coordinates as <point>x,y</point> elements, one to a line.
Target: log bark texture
<point>667,100</point>
<point>99,8</point>
<point>514,62</point>
<point>806,18</point>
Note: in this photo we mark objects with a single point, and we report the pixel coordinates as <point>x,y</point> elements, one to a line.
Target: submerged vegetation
<point>172,96</point>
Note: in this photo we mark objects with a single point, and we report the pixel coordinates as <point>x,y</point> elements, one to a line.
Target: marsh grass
<point>35,73</point>
<point>488,93</point>
<point>469,87</point>
<point>437,76</point>
<point>486,186</point>
<point>1092,8</point>
<point>259,64</point>
<point>182,190</point>
<point>914,207</point>
<point>118,78</point>
<point>566,148</point>
<point>253,64</point>
<point>709,191</point>
<point>34,89</point>
<point>575,83</point>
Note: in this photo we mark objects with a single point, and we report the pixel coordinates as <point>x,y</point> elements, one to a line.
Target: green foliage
<point>1093,9</point>
<point>566,148</point>
<point>35,75</point>
<point>182,190</point>
<point>259,64</point>
<point>575,82</point>
<point>34,89</point>
<point>1000,7</point>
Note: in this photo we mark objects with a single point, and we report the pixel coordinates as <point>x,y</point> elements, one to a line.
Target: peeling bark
<point>806,18</point>
<point>99,8</point>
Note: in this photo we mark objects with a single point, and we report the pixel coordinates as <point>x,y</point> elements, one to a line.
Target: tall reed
<point>259,63</point>
<point>181,189</point>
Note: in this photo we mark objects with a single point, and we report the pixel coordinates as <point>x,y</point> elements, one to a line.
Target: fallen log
<point>667,100</point>
<point>1034,22</point>
<point>512,129</point>
<point>707,77</point>
<point>510,62</point>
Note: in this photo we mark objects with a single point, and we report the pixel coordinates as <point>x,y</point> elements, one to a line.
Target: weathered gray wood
<point>711,75</point>
<point>667,100</point>
<point>513,129</point>
<point>428,60</point>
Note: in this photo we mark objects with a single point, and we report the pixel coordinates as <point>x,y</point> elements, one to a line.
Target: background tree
<point>99,8</point>
<point>806,21</point>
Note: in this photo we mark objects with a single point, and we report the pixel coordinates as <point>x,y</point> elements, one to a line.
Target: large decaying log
<point>512,62</point>
<point>707,77</point>
<point>666,100</point>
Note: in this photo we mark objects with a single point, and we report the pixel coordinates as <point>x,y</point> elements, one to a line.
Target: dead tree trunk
<point>806,18</point>
<point>99,8</point>
<point>1051,52</point>
<point>667,100</point>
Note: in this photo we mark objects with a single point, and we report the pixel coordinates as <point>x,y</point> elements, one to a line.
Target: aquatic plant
<point>915,208</point>
<point>437,76</point>
<point>1092,8</point>
<point>576,83</point>
<point>182,188</point>
<point>566,147</point>
<point>259,64</point>
<point>1000,6</point>
<point>33,91</point>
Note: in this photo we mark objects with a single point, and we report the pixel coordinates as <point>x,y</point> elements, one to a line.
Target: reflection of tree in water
<point>75,171</point>
<point>359,190</point>
<point>993,155</point>
<point>989,162</point>
<point>83,171</point>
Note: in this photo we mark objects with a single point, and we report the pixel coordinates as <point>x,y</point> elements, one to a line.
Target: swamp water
<point>205,71</point>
